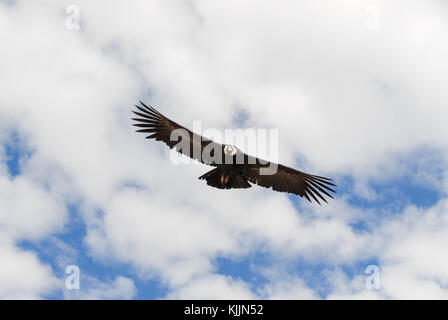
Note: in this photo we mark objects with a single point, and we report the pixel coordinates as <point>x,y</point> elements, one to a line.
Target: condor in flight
<point>233,168</point>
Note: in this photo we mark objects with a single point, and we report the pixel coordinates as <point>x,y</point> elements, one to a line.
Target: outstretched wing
<point>163,129</point>
<point>286,179</point>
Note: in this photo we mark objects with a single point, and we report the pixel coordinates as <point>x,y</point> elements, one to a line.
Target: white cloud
<point>412,258</point>
<point>23,276</point>
<point>416,257</point>
<point>119,288</point>
<point>215,287</point>
<point>28,210</point>
<point>348,100</point>
<point>284,287</point>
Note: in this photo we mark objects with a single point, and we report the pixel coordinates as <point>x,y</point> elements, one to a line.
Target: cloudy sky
<point>356,89</point>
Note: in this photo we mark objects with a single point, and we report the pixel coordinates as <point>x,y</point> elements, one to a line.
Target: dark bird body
<point>233,168</point>
<point>227,176</point>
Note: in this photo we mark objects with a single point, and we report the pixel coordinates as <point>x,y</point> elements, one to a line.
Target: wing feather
<point>161,128</point>
<point>289,180</point>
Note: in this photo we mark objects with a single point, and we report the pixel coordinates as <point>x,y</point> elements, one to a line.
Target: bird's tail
<point>218,179</point>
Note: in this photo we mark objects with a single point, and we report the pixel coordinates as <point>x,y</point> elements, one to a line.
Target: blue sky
<point>355,94</point>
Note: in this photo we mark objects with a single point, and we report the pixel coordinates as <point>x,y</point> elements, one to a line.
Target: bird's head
<point>230,150</point>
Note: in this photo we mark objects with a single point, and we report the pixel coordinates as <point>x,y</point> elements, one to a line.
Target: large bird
<point>233,168</point>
